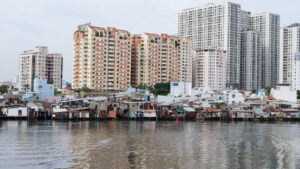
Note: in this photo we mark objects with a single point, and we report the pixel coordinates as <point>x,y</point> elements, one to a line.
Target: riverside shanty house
<point>32,110</point>
<point>14,112</point>
<point>17,106</point>
<point>72,109</point>
<point>138,110</point>
<point>184,111</point>
<point>111,107</point>
<point>210,113</point>
<point>233,112</point>
<point>11,99</point>
<point>39,110</point>
<point>172,111</point>
<point>11,105</point>
<point>85,109</point>
<point>241,112</point>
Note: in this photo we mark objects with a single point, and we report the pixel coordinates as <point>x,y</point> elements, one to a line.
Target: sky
<point>25,24</point>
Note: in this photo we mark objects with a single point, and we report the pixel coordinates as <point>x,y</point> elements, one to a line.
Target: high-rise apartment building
<point>268,25</point>
<point>54,67</point>
<point>113,59</point>
<point>245,20</point>
<point>102,58</point>
<point>259,50</point>
<point>215,26</point>
<point>209,69</point>
<point>39,63</point>
<point>251,63</point>
<point>296,71</point>
<point>187,55</point>
<point>289,45</point>
<point>160,58</point>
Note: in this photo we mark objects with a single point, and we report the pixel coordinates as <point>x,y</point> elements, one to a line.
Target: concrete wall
<point>285,93</point>
<point>15,112</point>
<point>181,89</point>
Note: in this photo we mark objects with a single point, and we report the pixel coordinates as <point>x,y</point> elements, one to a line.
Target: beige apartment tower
<point>102,58</point>
<point>110,59</point>
<point>160,58</point>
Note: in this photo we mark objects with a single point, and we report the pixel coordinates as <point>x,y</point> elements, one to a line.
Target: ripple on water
<point>117,144</point>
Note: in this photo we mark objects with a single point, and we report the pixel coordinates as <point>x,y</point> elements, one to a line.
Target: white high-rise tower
<point>215,26</point>
<point>289,45</point>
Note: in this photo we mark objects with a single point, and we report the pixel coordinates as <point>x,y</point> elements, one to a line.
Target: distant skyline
<point>30,23</point>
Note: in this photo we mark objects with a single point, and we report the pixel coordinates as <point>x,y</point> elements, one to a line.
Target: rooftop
<point>208,5</point>
<point>294,25</point>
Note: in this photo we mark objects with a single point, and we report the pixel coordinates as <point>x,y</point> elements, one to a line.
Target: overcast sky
<point>25,24</point>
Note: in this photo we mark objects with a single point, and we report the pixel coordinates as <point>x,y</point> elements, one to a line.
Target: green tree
<point>157,89</point>
<point>219,105</point>
<point>77,90</point>
<point>83,89</point>
<point>253,90</point>
<point>298,94</point>
<point>56,92</point>
<point>161,89</point>
<point>150,89</point>
<point>142,86</point>
<point>268,89</point>
<point>50,81</point>
<point>3,89</point>
<point>86,89</point>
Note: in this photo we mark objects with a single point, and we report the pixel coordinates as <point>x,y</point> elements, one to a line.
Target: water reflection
<point>115,144</point>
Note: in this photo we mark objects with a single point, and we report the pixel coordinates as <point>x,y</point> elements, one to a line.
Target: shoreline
<point>161,119</point>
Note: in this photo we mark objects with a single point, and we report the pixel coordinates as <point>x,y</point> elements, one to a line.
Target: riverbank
<point>198,119</point>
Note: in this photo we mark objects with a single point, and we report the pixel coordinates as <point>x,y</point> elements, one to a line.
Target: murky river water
<point>116,144</point>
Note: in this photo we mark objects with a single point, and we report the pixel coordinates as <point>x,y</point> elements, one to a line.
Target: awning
<point>59,110</point>
<point>188,109</point>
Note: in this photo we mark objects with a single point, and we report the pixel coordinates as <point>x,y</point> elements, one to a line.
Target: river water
<point>130,144</point>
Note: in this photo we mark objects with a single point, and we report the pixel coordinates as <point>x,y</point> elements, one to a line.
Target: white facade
<point>284,93</point>
<point>289,45</point>
<point>15,112</point>
<point>232,97</point>
<point>169,99</point>
<point>215,26</point>
<point>31,63</point>
<point>210,69</point>
<point>203,92</point>
<point>181,89</point>
<point>296,71</point>
<point>38,63</point>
